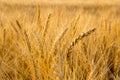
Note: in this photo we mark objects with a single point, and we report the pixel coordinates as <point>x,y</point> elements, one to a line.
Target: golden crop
<point>59,42</point>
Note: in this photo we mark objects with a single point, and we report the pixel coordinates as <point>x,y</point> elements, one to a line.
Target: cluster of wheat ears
<point>28,53</point>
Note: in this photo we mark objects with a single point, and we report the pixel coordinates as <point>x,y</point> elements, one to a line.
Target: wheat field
<point>52,41</point>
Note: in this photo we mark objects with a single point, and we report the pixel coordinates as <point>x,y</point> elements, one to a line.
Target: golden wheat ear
<point>80,37</point>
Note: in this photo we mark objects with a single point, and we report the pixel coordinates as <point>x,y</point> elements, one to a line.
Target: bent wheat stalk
<point>80,37</point>
<point>58,38</point>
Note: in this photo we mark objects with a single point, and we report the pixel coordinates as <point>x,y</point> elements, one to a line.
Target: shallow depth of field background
<point>39,40</point>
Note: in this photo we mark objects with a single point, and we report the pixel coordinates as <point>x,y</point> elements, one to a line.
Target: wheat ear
<point>80,37</point>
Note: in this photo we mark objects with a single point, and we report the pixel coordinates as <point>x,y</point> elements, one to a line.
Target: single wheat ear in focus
<point>80,37</point>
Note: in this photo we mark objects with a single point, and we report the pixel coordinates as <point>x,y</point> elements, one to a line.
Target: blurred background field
<point>94,8</point>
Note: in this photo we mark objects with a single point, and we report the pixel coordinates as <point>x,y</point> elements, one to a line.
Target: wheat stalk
<point>27,40</point>
<point>35,67</point>
<point>58,38</point>
<point>4,39</point>
<point>14,27</point>
<point>4,35</point>
<point>39,42</point>
<point>80,37</point>
<point>38,13</point>
<point>17,22</point>
<point>46,25</point>
<point>74,26</point>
